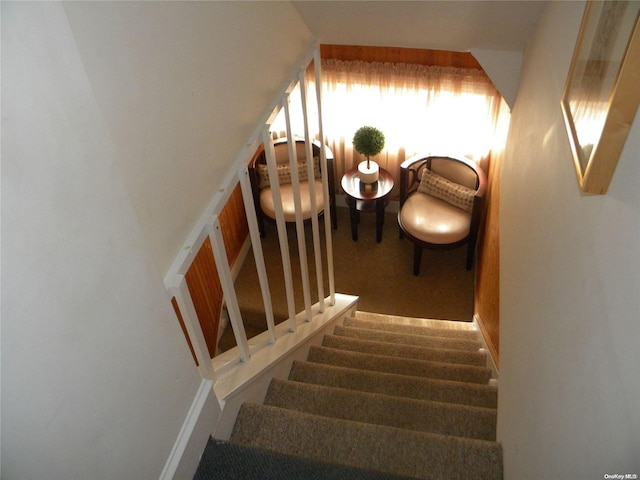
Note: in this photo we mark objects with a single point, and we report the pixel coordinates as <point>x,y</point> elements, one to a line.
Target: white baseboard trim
<point>495,373</point>
<point>195,432</point>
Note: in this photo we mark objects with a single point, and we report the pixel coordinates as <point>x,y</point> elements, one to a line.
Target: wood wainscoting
<point>202,277</point>
<point>487,292</point>
<point>415,56</point>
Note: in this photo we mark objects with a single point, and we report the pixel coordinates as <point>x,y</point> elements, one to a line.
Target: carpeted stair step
<point>410,329</point>
<point>395,385</point>
<point>231,461</point>
<point>416,352</point>
<point>408,339</point>
<point>412,414</point>
<point>400,366</point>
<point>387,318</point>
<point>380,448</point>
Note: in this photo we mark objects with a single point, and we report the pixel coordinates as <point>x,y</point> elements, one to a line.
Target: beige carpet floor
<point>379,273</point>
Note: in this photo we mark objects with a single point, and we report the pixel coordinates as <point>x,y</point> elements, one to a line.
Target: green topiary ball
<point>368,141</point>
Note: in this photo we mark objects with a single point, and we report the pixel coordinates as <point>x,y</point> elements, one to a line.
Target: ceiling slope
<point>442,25</point>
<point>495,32</point>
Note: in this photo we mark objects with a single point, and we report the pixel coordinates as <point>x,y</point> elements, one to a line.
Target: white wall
<point>96,379</point>
<point>503,67</point>
<point>102,132</point>
<point>570,286</point>
<point>182,86</point>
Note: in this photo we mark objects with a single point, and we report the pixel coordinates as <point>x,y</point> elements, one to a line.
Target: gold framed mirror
<point>602,91</point>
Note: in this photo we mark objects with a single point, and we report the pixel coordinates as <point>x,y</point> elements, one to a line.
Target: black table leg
<point>353,213</point>
<point>380,204</point>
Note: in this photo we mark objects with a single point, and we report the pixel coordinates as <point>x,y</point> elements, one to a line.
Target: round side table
<point>370,198</point>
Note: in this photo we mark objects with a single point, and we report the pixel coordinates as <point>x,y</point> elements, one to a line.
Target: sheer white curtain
<point>420,109</point>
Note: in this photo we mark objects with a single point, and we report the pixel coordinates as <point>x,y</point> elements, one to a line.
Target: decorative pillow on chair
<point>284,172</point>
<point>444,189</point>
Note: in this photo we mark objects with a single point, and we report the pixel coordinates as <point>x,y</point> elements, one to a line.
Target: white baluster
<point>228,289</point>
<point>180,291</point>
<point>312,194</point>
<point>325,181</point>
<point>280,224</point>
<point>295,183</point>
<point>256,245</point>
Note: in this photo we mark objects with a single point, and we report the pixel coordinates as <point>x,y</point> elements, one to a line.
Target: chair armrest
<point>482,179</point>
<point>258,158</point>
<point>409,175</point>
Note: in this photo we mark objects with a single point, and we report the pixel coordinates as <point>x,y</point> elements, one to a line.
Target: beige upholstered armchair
<point>440,204</point>
<point>261,183</point>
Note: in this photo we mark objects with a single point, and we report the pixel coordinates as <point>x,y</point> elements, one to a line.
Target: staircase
<point>397,396</point>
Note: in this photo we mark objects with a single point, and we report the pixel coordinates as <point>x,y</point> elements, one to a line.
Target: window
<point>420,109</point>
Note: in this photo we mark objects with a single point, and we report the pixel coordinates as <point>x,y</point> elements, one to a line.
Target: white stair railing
<point>325,177</point>
<point>297,201</point>
<point>281,226</point>
<point>181,293</point>
<point>228,288</point>
<point>315,229</point>
<point>258,254</point>
<point>209,226</point>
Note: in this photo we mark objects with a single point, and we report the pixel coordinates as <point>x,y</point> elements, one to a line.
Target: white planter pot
<point>368,175</point>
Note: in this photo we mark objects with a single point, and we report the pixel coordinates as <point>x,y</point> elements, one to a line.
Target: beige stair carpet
<point>390,394</point>
<point>409,413</point>
<point>395,385</point>
<point>405,351</point>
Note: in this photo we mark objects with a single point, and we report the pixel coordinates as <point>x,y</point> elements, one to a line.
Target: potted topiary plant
<point>368,141</point>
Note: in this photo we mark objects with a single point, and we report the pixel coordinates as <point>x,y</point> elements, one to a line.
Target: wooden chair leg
<point>471,249</point>
<point>260,220</point>
<point>417,259</point>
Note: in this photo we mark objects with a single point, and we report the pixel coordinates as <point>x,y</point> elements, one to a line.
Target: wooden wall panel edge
<point>416,56</point>
<point>184,329</point>
<point>486,340</point>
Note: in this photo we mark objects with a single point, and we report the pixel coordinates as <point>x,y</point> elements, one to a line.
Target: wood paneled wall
<point>202,277</point>
<point>400,55</point>
<point>176,309</point>
<point>487,296</point>
<point>206,293</point>
<point>234,226</point>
